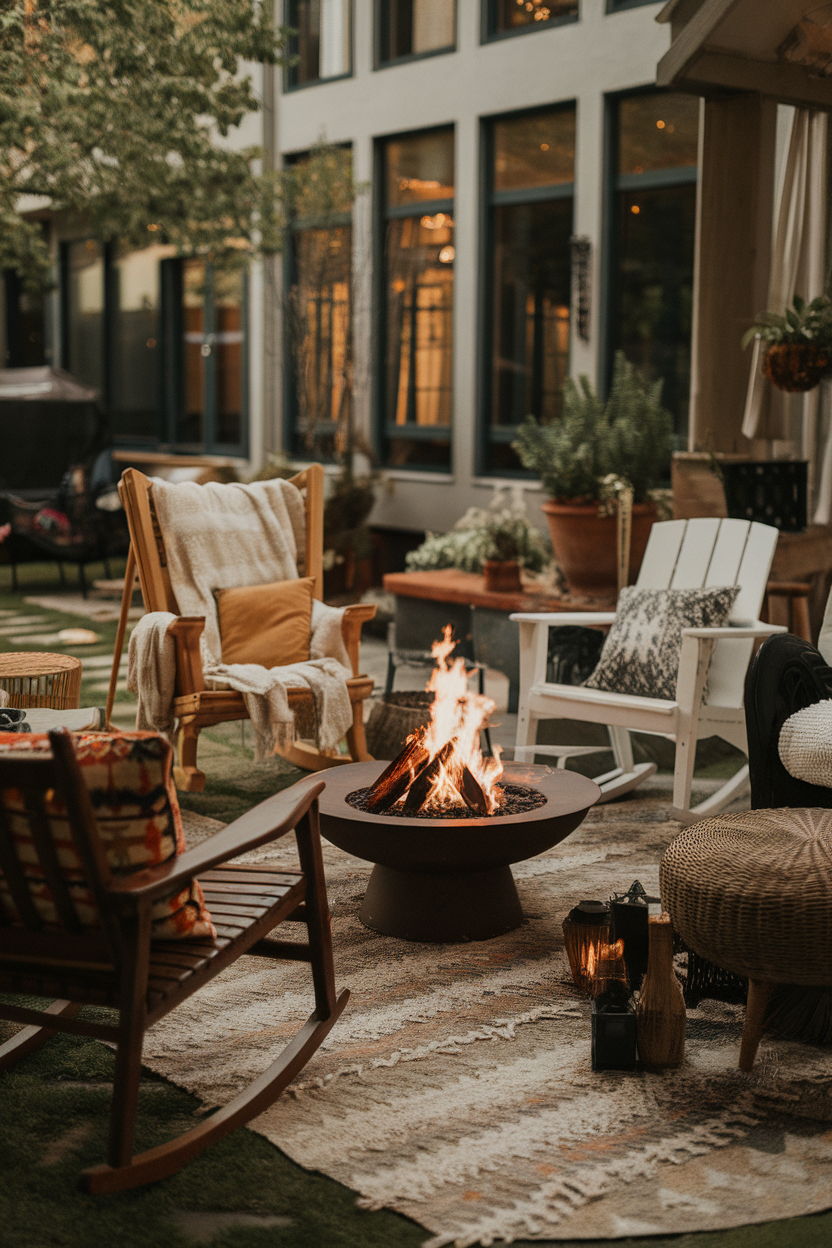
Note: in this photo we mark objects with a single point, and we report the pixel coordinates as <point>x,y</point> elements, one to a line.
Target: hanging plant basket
<point>796,366</point>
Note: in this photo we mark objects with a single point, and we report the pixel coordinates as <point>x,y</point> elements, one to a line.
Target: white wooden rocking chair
<point>681,554</point>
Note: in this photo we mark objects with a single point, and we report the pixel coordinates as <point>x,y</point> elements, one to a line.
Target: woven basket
<point>795,366</point>
<point>752,893</point>
<point>32,678</point>
<point>393,718</point>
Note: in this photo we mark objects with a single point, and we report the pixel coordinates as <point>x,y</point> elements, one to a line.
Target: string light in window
<point>635,210</point>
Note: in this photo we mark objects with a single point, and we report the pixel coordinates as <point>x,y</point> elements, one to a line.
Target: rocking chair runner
<point>195,706</point>
<point>116,964</point>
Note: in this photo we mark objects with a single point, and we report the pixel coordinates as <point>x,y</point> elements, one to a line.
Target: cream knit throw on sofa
<point>222,537</point>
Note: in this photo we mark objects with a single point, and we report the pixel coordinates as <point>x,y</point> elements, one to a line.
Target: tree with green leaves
<point>120,111</point>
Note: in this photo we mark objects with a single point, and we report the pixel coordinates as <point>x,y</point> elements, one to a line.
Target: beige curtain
<point>798,265</point>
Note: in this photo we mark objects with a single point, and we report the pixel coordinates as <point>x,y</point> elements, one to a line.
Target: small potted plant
<point>798,344</point>
<point>496,541</point>
<point>627,440</point>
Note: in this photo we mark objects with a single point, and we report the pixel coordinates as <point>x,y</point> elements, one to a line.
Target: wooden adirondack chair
<point>116,965</point>
<point>195,706</point>
<point>681,554</point>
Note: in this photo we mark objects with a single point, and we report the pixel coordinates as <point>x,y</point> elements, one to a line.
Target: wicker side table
<point>752,893</point>
<point>34,678</point>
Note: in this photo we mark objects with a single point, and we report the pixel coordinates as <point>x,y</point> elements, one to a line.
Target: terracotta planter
<point>502,576</point>
<point>585,548</point>
<point>796,366</point>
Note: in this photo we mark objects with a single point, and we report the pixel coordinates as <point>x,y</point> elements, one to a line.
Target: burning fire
<point>442,765</point>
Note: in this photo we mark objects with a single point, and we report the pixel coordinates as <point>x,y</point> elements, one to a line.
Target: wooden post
<point>731,264</point>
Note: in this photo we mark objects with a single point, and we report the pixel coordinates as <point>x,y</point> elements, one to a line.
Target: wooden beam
<point>675,62</point>
<point>789,84</point>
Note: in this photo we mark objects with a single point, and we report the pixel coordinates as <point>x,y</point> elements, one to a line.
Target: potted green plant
<point>798,344</point>
<point>627,441</point>
<point>496,541</point>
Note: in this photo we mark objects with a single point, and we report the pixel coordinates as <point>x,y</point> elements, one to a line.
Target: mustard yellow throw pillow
<point>266,624</point>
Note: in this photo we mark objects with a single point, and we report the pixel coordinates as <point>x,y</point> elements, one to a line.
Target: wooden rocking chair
<point>196,707</point>
<point>116,964</point>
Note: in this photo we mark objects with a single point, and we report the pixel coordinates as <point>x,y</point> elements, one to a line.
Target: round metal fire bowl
<point>448,880</point>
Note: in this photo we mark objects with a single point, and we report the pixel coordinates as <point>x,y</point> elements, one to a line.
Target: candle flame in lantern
<point>457,715</point>
<point>590,962</point>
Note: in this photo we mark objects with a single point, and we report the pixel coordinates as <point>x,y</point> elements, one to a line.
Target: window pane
<point>413,26</point>
<point>136,347</point>
<point>419,276</point>
<point>322,43</point>
<point>534,150</point>
<point>652,319</point>
<point>658,131</point>
<point>25,325</point>
<point>532,277</point>
<point>85,312</point>
<point>227,355</point>
<point>191,423</point>
<point>514,14</point>
<point>318,334</point>
<point>420,167</point>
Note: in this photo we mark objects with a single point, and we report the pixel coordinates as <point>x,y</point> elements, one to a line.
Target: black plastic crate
<point>770,491</point>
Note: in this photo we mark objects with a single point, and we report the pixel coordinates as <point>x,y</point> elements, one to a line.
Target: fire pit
<point>442,823</point>
<point>449,879</point>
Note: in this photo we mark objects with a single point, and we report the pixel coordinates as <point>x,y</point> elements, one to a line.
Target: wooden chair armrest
<point>266,822</point>
<point>351,622</point>
<point>735,633</point>
<point>186,631</point>
<point>588,619</point>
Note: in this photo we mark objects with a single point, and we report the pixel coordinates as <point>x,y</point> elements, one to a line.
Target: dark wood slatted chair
<point>117,965</point>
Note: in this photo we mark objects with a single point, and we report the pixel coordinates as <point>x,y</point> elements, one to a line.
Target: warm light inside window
<point>635,210</point>
<point>660,125</point>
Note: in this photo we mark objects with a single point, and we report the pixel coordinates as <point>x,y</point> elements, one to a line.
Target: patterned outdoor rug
<point>457,1088</point>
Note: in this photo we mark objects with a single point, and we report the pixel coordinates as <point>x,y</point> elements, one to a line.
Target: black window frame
<point>488,23</point>
<point>382,215</point>
<point>381,33</point>
<point>170,379</point>
<point>288,85</point>
<point>614,183</point>
<point>620,6</point>
<point>490,199</point>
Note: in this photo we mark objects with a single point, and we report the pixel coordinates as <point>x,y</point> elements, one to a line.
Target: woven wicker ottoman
<point>752,893</point>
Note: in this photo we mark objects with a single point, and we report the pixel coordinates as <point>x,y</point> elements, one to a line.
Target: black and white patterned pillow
<point>642,650</point>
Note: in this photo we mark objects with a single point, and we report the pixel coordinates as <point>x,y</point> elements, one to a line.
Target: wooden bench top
<point>467,589</point>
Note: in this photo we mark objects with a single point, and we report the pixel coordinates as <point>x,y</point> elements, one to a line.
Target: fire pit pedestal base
<point>448,880</point>
<point>441,908</point>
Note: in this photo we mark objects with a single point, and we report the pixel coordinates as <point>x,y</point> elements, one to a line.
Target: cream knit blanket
<point>221,537</point>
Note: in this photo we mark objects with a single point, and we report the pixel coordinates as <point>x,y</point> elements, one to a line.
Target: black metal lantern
<point>628,922</point>
<point>614,1029</point>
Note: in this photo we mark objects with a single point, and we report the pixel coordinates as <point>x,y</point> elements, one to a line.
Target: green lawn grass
<point>54,1105</point>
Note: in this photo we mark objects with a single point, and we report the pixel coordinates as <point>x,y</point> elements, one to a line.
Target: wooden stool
<point>797,606</point>
<point>752,893</point>
<point>33,678</point>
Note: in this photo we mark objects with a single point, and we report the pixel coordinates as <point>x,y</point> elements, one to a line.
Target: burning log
<point>395,779</point>
<point>420,789</point>
<point>473,792</point>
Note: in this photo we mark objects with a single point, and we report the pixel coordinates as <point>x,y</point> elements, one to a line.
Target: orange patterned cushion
<point>132,792</point>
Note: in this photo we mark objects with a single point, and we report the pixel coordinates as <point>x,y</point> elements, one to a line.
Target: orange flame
<point>457,715</point>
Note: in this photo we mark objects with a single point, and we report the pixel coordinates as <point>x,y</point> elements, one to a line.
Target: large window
<point>418,284</point>
<point>415,28</point>
<point>653,223</point>
<point>322,40</point>
<point>513,17</point>
<point>135,346</point>
<point>530,184</point>
<point>83,308</point>
<point>163,340</point>
<point>318,337</point>
<point>25,320</point>
<point>209,411</point>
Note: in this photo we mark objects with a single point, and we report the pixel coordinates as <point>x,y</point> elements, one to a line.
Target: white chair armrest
<point>757,629</point>
<point>553,618</point>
